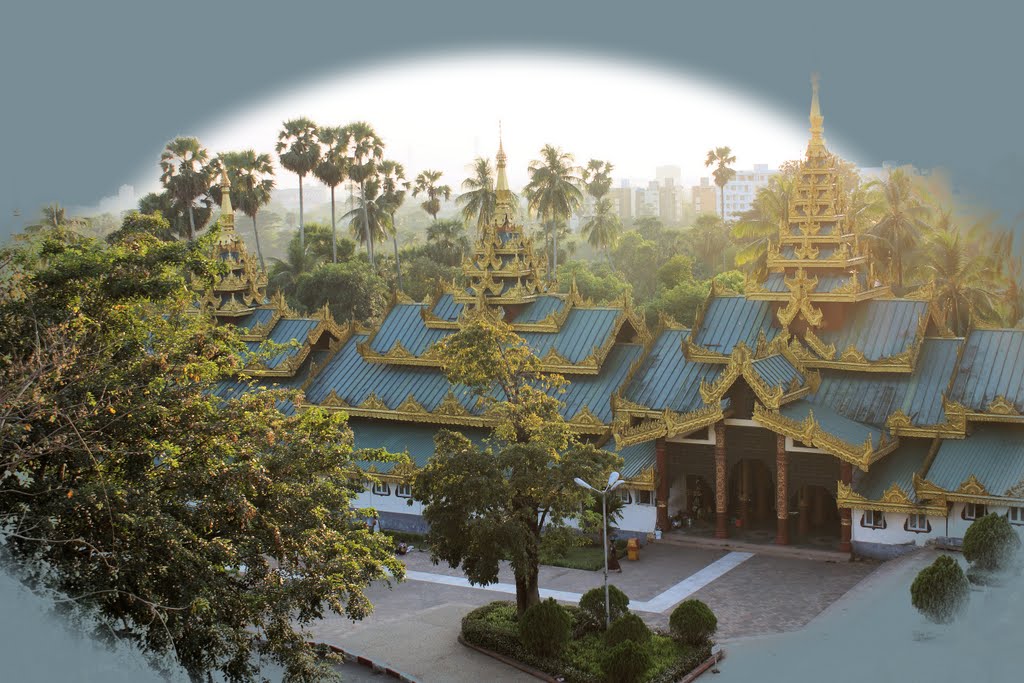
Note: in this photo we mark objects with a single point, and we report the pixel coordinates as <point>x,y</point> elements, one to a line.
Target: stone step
<point>729,544</point>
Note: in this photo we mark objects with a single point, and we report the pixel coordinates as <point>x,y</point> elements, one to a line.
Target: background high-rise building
<point>704,197</point>
<point>741,190</point>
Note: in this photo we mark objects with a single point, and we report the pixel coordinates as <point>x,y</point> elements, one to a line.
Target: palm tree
<point>722,156</point>
<point>366,150</point>
<point>602,230</point>
<point>393,188</point>
<point>479,197</point>
<point>760,226</point>
<point>186,175</point>
<point>299,151</point>
<point>426,183</point>
<point>554,191</point>
<point>965,283</point>
<point>368,221</point>
<point>709,241</point>
<point>597,175</point>
<point>252,179</point>
<point>300,258</point>
<point>902,220</point>
<point>447,240</point>
<point>332,171</point>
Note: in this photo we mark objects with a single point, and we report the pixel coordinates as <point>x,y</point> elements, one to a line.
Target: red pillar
<point>781,491</point>
<point>721,484</point>
<point>845,530</point>
<point>661,477</point>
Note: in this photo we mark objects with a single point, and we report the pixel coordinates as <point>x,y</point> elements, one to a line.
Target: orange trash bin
<point>633,549</point>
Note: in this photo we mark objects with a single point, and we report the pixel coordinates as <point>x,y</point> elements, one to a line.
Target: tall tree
<point>904,219</point>
<point>758,227</point>
<point>368,221</point>
<point>554,191</point>
<point>332,170</point>
<point>366,150</point>
<point>603,228</point>
<point>426,184</point>
<point>720,158</point>
<point>478,198</point>
<point>186,175</point>
<point>299,151</point>
<point>393,187</point>
<point>252,179</point>
<point>709,240</point>
<point>597,176</point>
<point>446,241</point>
<point>966,283</point>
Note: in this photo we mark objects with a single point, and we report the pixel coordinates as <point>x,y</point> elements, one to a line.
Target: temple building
<point>817,405</point>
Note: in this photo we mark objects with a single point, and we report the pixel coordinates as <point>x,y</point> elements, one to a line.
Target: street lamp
<point>613,483</point>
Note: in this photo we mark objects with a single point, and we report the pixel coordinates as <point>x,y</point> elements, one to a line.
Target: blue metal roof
<point>992,365</point>
<point>896,468</point>
<point>416,440</point>
<point>994,453</point>
<point>636,458</point>
<point>583,330</point>
<point>777,371</point>
<point>666,379</point>
<point>229,389</point>
<point>540,309</point>
<point>729,320</point>
<point>258,317</point>
<point>872,397</point>
<point>446,308</point>
<point>776,282</point>
<point>878,328</point>
<point>595,391</point>
<point>841,427</point>
<point>405,324</point>
<point>284,333</point>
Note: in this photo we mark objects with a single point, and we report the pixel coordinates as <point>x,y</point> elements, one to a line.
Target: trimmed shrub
<point>693,622</point>
<point>941,590</point>
<point>990,543</point>
<point>545,628</point>
<point>592,606</point>
<point>628,627</point>
<point>625,663</point>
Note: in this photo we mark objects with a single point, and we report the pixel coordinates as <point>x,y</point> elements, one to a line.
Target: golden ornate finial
<point>817,120</point>
<point>227,213</point>
<point>503,209</point>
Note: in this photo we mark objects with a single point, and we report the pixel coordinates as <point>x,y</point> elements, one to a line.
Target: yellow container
<point>633,549</point>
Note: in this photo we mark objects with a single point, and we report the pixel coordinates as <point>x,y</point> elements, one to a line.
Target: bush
<point>990,543</point>
<point>940,590</point>
<point>592,606</point>
<point>628,627</point>
<point>693,622</point>
<point>625,663</point>
<point>545,628</point>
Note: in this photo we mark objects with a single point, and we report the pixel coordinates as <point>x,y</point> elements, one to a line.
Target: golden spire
<point>503,209</point>
<point>817,120</point>
<point>227,213</point>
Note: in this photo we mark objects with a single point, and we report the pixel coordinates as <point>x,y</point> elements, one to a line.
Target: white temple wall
<point>894,533</point>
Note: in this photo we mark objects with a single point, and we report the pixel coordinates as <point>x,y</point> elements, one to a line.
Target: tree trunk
<point>334,231</point>
<point>366,223</point>
<point>302,224</point>
<point>191,224</point>
<point>259,251</point>
<point>398,264</point>
<point>527,590</point>
<point>721,193</point>
<point>554,250</point>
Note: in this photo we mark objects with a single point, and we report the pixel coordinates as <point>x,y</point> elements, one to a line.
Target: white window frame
<point>403,490</point>
<point>381,488</point>
<point>1015,514</point>
<point>973,507</point>
<point>877,519</point>
<point>921,517</point>
<point>644,491</point>
<point>625,496</point>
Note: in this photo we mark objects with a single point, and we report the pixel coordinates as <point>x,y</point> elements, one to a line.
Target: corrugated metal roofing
<point>228,389</point>
<point>583,330</point>
<point>879,328</point>
<point>775,282</point>
<point>872,397</point>
<point>446,308</point>
<point>636,458</point>
<point>257,317</point>
<point>284,332</point>
<point>729,320</point>
<point>896,468</point>
<point>994,453</point>
<point>594,391</point>
<point>842,427</point>
<point>992,365</point>
<point>399,437</point>
<point>824,251</point>
<point>666,379</point>
<point>405,324</point>
<point>776,371</point>
<point>541,308</point>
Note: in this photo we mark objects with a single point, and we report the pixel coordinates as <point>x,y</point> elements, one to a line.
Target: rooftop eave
<point>895,499</point>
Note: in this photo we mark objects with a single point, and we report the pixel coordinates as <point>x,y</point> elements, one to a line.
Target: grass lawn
<point>588,557</point>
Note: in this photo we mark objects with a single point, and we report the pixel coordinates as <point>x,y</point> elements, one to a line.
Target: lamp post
<point>613,483</point>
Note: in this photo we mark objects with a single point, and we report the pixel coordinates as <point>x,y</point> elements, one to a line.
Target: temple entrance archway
<point>752,494</point>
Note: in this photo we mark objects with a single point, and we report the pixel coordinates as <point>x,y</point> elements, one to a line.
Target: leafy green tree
<point>677,270</point>
<point>681,301</point>
<point>637,258</point>
<point>352,290</point>
<point>721,158</point>
<point>447,241</point>
<point>693,622</point>
<point>299,259</point>
<point>603,228</point>
<point>553,191</point>
<point>478,197</point>
<point>332,170</point>
<point>965,282</point>
<point>592,610</point>
<point>365,152</point>
<point>709,241</point>
<point>486,506</point>
<point>175,214</point>
<point>545,628</point>
<point>135,224</point>
<point>597,177</point>
<point>756,228</point>
<point>369,221</point>
<point>903,222</point>
<point>186,175</point>
<point>941,590</point>
<point>423,274</point>
<point>299,151</point>
<point>207,530</point>
<point>594,281</point>
<point>427,184</point>
<point>990,543</point>
<point>252,180</point>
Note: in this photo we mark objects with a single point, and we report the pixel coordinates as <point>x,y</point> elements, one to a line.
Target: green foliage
<point>990,543</point>
<point>352,290</point>
<point>628,627</point>
<point>676,270</point>
<point>592,606</point>
<point>545,627</point>
<point>692,622</point>
<point>594,281</point>
<point>681,302</point>
<point>422,274</point>
<point>637,258</point>
<point>626,662</point>
<point>136,223</point>
<point>112,436</point>
<point>941,590</point>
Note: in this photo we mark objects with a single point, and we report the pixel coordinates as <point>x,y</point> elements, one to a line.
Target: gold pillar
<point>721,483</point>
<point>781,491</point>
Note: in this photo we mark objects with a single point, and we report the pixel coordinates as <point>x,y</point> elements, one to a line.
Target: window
<point>403,490</point>
<point>972,511</point>
<point>645,497</point>
<point>1016,515</point>
<point>624,495</point>
<point>917,523</point>
<point>381,488</point>
<point>873,519</point>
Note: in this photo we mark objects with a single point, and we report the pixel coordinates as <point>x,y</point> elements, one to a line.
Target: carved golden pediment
<point>1001,405</point>
<point>586,418</point>
<point>411,405</point>
<point>972,487</point>
<point>334,401</point>
<point>450,406</point>
<point>373,402</point>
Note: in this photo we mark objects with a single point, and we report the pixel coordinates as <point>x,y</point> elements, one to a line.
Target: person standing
<point>613,560</point>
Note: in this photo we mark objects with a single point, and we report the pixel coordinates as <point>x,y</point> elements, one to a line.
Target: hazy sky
<point>441,112</point>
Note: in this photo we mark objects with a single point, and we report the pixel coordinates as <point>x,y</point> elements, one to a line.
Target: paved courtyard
<point>416,623</point>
